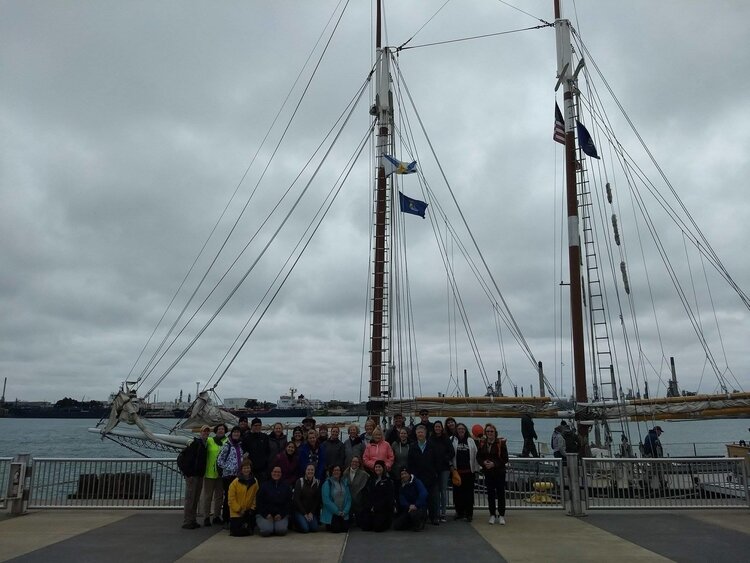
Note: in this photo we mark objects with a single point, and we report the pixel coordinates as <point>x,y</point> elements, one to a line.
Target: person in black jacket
<point>193,466</point>
<point>444,453</point>
<point>378,511</point>
<point>258,448</point>
<point>273,503</point>
<point>529,435</point>
<point>307,501</point>
<point>423,465</point>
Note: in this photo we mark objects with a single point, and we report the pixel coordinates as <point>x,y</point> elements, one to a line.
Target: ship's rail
<point>153,483</point>
<point>669,483</point>
<point>4,477</point>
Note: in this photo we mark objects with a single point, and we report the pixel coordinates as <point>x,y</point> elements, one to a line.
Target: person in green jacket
<point>213,489</point>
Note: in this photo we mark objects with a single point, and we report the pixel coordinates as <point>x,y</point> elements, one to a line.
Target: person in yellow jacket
<point>241,497</point>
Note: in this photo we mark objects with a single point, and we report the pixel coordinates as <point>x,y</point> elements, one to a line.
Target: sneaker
<point>501,520</point>
<point>207,522</point>
<point>443,518</point>
<point>492,519</point>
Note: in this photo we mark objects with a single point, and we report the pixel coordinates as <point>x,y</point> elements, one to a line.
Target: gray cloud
<point>127,127</point>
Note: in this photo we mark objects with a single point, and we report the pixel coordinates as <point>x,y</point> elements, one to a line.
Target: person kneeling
<point>337,502</point>
<point>242,496</point>
<point>274,498</point>
<point>378,511</point>
<point>412,503</point>
<point>307,501</point>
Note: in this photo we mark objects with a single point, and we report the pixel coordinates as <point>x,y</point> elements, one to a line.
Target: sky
<point>126,128</point>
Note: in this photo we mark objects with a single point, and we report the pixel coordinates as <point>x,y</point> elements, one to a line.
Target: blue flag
<point>413,206</point>
<point>585,141</point>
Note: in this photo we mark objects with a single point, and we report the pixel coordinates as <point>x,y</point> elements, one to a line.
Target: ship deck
<point>123,536</point>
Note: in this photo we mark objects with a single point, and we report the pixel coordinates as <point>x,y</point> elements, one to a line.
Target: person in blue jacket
<point>311,453</point>
<point>336,500</point>
<point>412,503</point>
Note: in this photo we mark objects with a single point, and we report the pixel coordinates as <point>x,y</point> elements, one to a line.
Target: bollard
<point>574,481</point>
<point>18,490</point>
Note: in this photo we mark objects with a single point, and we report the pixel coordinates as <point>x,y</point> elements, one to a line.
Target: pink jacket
<point>380,451</point>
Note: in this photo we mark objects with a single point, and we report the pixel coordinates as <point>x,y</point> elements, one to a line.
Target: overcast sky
<point>126,127</point>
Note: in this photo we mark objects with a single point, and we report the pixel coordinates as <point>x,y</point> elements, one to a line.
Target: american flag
<point>559,134</point>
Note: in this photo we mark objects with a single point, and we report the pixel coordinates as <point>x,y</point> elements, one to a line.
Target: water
<point>70,437</point>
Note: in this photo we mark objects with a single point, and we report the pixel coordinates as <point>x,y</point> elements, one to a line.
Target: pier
<point>156,537</point>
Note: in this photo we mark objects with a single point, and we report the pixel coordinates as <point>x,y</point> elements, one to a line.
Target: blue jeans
<point>443,477</point>
<point>303,525</point>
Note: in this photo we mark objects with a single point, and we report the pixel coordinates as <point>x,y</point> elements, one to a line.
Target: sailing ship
<point>607,357</point>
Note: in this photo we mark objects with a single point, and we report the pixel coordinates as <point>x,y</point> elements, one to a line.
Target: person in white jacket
<point>465,462</point>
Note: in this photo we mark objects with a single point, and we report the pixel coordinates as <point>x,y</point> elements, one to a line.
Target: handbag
<point>455,477</point>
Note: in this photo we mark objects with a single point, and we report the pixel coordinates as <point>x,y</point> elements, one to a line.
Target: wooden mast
<point>568,81</point>
<point>382,110</point>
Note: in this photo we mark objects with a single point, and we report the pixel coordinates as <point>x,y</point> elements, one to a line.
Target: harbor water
<point>70,437</point>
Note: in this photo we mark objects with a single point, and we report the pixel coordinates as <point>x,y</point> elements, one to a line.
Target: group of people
<point>246,479</point>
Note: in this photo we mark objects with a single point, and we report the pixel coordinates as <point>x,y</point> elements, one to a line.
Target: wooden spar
<point>378,322</point>
<point>564,52</point>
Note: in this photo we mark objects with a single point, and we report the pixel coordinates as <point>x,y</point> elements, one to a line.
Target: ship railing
<point>664,483</point>
<point>106,483</point>
<point>4,479</point>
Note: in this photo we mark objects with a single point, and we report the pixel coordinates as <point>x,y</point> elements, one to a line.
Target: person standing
<point>230,462</point>
<point>307,501</point>
<point>424,420</point>
<point>400,449</point>
<point>256,445</point>
<point>651,443</point>
<point>353,445</point>
<point>465,462</point>
<point>444,453</point>
<point>377,450</point>
<point>274,500</point>
<point>192,464</point>
<point>492,456</point>
<point>213,490</point>
<point>337,502</point>
<point>276,441</point>
<point>558,441</point>
<point>242,495</point>
<point>334,450</point>
<point>529,435</point>
<point>366,436</point>
<point>423,465</point>
<point>393,433</point>
<point>288,460</point>
<point>311,452</point>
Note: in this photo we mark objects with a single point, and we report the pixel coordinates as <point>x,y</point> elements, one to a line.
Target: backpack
<point>572,445</point>
<point>186,461</point>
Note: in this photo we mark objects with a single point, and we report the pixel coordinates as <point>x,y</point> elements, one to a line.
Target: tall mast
<point>567,79</point>
<point>383,111</point>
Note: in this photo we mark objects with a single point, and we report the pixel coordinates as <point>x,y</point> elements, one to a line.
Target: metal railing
<point>106,483</point>
<point>4,475</point>
<point>530,483</point>
<point>664,483</point>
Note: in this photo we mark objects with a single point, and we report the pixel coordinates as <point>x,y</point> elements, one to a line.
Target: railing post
<point>575,485</point>
<point>18,490</point>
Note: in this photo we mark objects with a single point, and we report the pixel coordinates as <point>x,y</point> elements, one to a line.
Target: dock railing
<point>4,477</point>
<point>153,483</point>
<point>531,483</point>
<point>672,483</point>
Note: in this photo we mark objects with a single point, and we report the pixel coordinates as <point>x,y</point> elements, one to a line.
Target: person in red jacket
<point>492,456</point>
